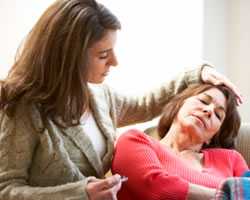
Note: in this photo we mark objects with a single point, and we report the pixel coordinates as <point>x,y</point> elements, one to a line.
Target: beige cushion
<point>242,141</point>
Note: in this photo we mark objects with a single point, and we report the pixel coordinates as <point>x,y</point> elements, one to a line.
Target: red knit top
<point>155,173</point>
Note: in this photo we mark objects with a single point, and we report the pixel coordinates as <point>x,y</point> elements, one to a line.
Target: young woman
<point>191,160</point>
<point>57,120</point>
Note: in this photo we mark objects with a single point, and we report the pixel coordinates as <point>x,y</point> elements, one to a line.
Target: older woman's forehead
<point>216,96</point>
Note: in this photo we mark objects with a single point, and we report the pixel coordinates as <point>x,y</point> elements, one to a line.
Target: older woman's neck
<point>179,141</point>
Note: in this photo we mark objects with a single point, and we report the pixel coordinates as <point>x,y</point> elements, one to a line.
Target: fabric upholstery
<point>243,142</point>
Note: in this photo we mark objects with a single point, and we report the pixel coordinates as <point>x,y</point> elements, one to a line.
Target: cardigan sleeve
<point>136,157</point>
<point>17,146</point>
<point>137,109</point>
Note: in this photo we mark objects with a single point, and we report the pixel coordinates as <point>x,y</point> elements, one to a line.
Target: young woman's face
<point>102,57</point>
<point>201,116</point>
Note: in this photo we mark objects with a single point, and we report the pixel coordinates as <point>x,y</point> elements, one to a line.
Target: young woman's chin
<point>97,81</point>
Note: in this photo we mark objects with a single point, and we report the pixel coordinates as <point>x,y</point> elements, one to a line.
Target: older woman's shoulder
<point>222,152</point>
<point>135,135</point>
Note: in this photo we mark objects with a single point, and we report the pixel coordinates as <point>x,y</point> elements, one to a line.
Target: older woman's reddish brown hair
<point>229,128</point>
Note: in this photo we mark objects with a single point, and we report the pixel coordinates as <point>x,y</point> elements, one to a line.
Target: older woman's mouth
<point>201,120</point>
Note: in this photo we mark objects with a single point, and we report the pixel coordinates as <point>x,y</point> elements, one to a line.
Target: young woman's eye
<point>103,56</point>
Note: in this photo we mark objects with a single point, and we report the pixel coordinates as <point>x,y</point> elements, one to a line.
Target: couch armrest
<point>243,142</point>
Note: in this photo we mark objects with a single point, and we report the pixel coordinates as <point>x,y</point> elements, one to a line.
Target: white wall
<point>8,39</point>
<point>16,19</point>
<point>227,43</point>
<point>157,40</point>
<point>239,51</point>
<point>215,37</point>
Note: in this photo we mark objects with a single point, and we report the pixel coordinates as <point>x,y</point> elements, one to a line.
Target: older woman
<point>191,159</point>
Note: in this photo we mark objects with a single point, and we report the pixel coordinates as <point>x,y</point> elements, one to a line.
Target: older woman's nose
<point>208,111</point>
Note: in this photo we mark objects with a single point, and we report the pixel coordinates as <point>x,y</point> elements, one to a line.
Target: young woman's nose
<point>113,60</point>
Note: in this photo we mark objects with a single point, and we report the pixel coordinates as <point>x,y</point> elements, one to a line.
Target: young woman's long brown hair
<point>51,70</point>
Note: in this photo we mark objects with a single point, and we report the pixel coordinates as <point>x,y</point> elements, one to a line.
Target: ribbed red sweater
<point>154,173</point>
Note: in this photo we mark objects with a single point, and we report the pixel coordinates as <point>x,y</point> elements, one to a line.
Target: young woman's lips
<point>105,73</point>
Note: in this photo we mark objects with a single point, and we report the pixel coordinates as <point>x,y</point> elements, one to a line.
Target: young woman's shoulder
<point>25,116</point>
